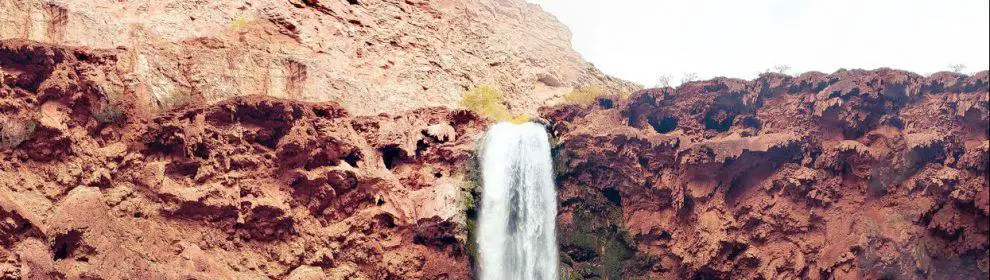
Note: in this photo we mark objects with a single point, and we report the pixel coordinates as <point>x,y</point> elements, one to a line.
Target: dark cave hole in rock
<point>385,220</point>
<point>421,146</point>
<point>353,2</point>
<point>391,154</point>
<point>687,207</point>
<point>664,125</point>
<point>719,121</point>
<point>65,244</point>
<point>705,273</point>
<point>665,235</point>
<point>751,122</point>
<point>380,202</point>
<point>734,249</point>
<point>182,168</point>
<point>895,122</point>
<point>353,158</point>
<point>201,151</point>
<point>318,160</point>
<point>643,161</point>
<point>270,137</point>
<point>606,103</point>
<point>81,56</point>
<point>613,196</point>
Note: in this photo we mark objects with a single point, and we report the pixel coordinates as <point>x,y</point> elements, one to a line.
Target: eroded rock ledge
<point>876,174</point>
<point>92,185</point>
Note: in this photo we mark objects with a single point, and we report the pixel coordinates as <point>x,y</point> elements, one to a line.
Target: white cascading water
<point>516,230</point>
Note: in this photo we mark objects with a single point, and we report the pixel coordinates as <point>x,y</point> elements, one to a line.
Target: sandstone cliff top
<point>370,56</point>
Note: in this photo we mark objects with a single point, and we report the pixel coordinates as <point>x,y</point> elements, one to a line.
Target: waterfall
<point>516,230</point>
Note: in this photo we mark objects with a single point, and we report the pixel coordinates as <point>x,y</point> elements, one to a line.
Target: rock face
<point>314,139</point>
<point>92,186</point>
<point>371,56</point>
<point>858,174</point>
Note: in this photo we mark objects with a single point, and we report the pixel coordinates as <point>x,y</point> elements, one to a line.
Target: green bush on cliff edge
<point>488,102</point>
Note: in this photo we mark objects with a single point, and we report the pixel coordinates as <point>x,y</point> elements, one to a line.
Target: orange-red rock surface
<point>856,174</point>
<point>94,186</point>
<point>370,56</point>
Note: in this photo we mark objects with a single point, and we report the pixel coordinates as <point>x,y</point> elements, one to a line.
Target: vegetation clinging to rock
<point>584,96</point>
<point>488,102</point>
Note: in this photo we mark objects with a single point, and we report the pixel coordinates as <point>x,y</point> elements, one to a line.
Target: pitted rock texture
<point>371,56</point>
<point>92,185</point>
<point>857,174</point>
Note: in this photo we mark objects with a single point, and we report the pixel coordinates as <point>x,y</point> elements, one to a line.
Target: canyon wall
<point>370,56</point>
<point>308,139</point>
<point>258,139</point>
<point>855,174</point>
<point>91,186</point>
<point>852,175</point>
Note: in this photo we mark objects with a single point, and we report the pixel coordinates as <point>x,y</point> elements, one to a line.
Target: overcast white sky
<point>640,40</point>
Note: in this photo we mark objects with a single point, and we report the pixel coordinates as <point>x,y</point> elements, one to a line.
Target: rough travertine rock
<point>173,139</point>
<point>371,56</point>
<point>854,175</point>
<point>92,186</point>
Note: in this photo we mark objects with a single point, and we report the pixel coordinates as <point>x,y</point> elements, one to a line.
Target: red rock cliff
<point>370,56</point>
<point>93,186</point>
<point>857,174</point>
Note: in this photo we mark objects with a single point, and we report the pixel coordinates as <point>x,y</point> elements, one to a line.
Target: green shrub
<point>519,119</point>
<point>487,102</point>
<point>584,96</point>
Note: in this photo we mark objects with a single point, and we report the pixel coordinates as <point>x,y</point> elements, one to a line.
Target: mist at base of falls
<point>517,223</point>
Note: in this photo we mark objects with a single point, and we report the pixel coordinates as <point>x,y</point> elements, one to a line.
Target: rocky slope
<point>92,186</point>
<point>371,56</point>
<point>856,174</point>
